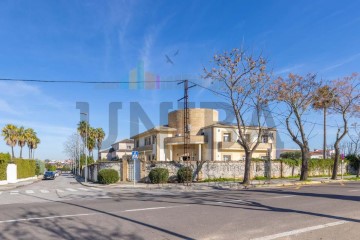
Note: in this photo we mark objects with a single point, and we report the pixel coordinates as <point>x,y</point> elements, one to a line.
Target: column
<point>170,152</point>
<point>199,151</point>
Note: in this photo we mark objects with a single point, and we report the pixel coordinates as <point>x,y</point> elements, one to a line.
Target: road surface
<point>64,209</point>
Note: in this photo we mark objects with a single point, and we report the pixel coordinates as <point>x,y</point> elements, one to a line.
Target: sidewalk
<point>218,185</point>
<point>10,186</point>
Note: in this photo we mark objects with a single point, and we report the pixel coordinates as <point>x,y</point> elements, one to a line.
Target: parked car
<point>49,175</point>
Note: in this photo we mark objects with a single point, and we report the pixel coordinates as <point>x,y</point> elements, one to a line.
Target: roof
<point>233,125</point>
<point>126,140</point>
<point>155,129</point>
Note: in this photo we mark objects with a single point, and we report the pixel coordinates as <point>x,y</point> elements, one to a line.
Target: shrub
<point>3,165</point>
<point>159,175</point>
<point>5,157</point>
<point>25,168</point>
<point>108,176</point>
<point>40,167</point>
<point>291,155</point>
<point>50,167</point>
<point>184,174</point>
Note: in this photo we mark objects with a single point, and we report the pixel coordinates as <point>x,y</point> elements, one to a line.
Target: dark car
<point>49,175</point>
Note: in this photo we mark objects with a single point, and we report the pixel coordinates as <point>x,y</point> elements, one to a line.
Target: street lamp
<point>86,136</point>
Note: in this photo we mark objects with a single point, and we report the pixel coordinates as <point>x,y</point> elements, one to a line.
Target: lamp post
<point>86,136</point>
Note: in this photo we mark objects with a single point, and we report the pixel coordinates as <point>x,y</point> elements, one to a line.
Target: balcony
<point>236,146</point>
<point>180,140</point>
<point>144,148</point>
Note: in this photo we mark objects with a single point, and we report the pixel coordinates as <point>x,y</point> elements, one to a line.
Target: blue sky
<point>104,40</point>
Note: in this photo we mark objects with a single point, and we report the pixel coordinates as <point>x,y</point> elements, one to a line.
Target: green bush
<point>159,175</point>
<point>40,167</point>
<point>5,157</point>
<point>184,174</point>
<point>3,165</point>
<point>50,167</point>
<point>25,168</point>
<point>66,169</point>
<point>108,176</point>
<point>291,155</point>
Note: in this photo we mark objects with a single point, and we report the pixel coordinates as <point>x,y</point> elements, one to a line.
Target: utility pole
<point>187,126</point>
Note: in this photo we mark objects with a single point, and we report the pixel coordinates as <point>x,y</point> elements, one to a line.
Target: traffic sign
<point>135,154</point>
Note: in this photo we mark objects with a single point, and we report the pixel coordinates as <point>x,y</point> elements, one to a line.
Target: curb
<point>18,186</point>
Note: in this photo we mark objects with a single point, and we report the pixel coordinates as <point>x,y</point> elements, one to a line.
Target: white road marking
<point>29,191</point>
<point>286,196</point>
<point>97,189</point>
<point>84,189</point>
<point>231,201</point>
<point>153,208</point>
<point>14,192</point>
<point>85,214</point>
<point>71,190</point>
<point>0,193</point>
<point>354,190</point>
<point>301,230</point>
<point>44,191</point>
<point>59,190</point>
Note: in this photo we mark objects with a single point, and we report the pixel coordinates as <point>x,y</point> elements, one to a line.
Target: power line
<point>81,82</point>
<point>279,114</point>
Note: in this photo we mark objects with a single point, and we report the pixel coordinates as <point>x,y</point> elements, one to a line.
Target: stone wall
<point>94,169</point>
<point>235,169</point>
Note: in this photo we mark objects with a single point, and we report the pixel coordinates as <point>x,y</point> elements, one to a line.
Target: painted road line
<point>97,189</point>
<point>86,214</point>
<point>71,189</point>
<point>29,191</point>
<point>301,230</point>
<point>44,191</point>
<point>84,189</point>
<point>354,190</point>
<point>14,192</point>
<point>286,196</point>
<point>59,190</point>
<point>231,201</point>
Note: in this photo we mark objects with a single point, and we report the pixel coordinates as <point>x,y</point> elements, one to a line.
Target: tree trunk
<point>21,151</point>
<point>304,163</point>
<point>358,169</point>
<point>29,153</point>
<point>247,167</point>
<point>324,144</point>
<point>12,152</point>
<point>336,162</point>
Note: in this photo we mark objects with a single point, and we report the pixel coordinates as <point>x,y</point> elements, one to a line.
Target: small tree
<point>243,80</point>
<point>297,93</point>
<point>347,104</point>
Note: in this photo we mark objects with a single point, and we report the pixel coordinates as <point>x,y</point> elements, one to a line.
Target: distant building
<point>118,150</point>
<point>209,139</point>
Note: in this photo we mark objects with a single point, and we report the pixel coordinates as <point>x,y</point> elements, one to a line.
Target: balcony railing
<point>237,146</point>
<point>180,140</point>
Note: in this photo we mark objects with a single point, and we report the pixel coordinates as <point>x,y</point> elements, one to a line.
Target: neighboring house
<point>209,139</point>
<point>118,150</point>
<point>286,150</point>
<point>318,153</point>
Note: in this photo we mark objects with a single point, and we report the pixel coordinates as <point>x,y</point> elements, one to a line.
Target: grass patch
<point>354,179</point>
<point>221,179</point>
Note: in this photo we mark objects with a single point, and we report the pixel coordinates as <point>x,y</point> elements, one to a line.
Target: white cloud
<point>16,89</point>
<point>288,69</point>
<point>6,108</point>
<point>341,63</point>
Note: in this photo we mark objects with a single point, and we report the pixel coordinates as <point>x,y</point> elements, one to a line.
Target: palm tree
<point>100,135</point>
<point>324,98</point>
<point>30,134</point>
<point>83,128</point>
<point>36,142</point>
<point>22,138</point>
<point>91,140</point>
<point>10,134</point>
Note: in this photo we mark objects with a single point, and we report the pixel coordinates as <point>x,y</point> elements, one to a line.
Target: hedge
<point>108,176</point>
<point>25,168</point>
<point>159,175</point>
<point>184,174</point>
<point>4,159</point>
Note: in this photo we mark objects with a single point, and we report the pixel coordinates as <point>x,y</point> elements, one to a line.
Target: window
<point>153,139</point>
<point>227,137</point>
<point>137,143</point>
<point>247,137</point>
<point>147,141</point>
<point>265,139</point>
<point>128,147</point>
<point>227,157</point>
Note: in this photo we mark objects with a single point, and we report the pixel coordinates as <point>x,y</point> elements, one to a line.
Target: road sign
<point>135,154</point>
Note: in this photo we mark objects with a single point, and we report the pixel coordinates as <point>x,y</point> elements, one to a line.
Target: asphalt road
<point>64,209</point>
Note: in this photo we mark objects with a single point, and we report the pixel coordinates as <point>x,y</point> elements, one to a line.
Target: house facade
<point>118,150</point>
<point>209,139</point>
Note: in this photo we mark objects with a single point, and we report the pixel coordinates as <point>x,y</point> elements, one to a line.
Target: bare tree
<point>297,93</point>
<point>355,140</point>
<point>243,79</point>
<point>72,147</point>
<point>347,105</point>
